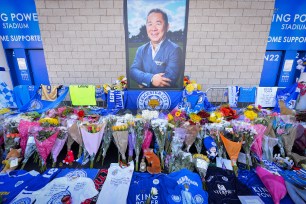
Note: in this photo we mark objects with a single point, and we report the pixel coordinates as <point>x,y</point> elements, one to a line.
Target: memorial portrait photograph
<point>155,33</point>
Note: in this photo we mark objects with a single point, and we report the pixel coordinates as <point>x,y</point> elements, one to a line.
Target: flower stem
<point>91,164</point>
<point>102,160</point>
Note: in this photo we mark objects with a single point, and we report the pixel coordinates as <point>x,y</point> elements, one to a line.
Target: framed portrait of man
<point>155,37</point>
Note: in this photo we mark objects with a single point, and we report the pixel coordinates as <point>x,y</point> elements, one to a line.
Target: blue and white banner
<point>36,104</point>
<point>247,95</point>
<point>19,24</point>
<point>152,100</point>
<point>288,26</point>
<point>289,95</point>
<point>233,92</point>
<point>115,100</point>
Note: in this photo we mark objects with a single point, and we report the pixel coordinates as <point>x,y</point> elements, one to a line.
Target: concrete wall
<point>84,41</point>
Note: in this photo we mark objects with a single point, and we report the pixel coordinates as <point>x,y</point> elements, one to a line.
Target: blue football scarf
<point>36,104</point>
<point>73,173</point>
<point>115,100</point>
<point>14,182</point>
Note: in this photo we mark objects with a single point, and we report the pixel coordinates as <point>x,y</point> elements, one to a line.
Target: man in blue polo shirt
<point>157,63</point>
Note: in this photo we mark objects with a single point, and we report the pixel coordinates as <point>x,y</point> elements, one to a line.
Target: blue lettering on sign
<point>19,26</point>
<point>288,26</point>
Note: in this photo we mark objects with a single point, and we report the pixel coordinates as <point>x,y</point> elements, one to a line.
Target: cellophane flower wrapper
<point>232,149</point>
<point>214,130</point>
<point>148,138</point>
<point>59,143</point>
<point>29,150</point>
<point>132,141</point>
<point>280,128</point>
<point>121,141</point>
<point>248,140</point>
<point>257,144</point>
<point>180,161</point>
<point>75,134</point>
<point>92,141</point>
<point>178,140</point>
<point>108,134</point>
<point>23,129</point>
<point>275,184</point>
<point>199,140</point>
<point>11,127</point>
<point>139,131</point>
<point>201,165</point>
<point>159,127</point>
<point>192,132</point>
<point>44,147</point>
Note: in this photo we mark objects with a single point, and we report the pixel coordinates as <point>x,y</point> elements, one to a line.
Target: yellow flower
<point>138,116</point>
<point>195,118</point>
<point>120,77</point>
<point>250,114</point>
<point>170,117</point>
<point>51,121</point>
<point>215,117</point>
<point>250,107</point>
<point>178,113</point>
<point>201,156</point>
<point>189,88</point>
<point>199,87</point>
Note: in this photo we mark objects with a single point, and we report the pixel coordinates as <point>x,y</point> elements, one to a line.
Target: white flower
<point>154,191</point>
<point>128,117</point>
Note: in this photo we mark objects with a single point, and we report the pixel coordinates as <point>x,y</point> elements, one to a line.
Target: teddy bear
<point>12,160</point>
<point>69,159</point>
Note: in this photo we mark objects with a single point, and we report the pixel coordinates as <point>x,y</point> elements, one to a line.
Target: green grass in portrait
<point>132,52</point>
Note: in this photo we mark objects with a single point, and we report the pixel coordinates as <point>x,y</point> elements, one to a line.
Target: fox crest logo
<point>153,100</point>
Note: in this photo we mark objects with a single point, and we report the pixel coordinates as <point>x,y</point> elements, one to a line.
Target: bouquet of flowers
<point>159,127</point>
<point>256,147</point>
<point>47,122</point>
<point>214,130</point>
<point>248,138</point>
<point>228,113</point>
<point>179,161</point>
<point>178,140</point>
<point>44,140</point>
<point>75,134</point>
<point>177,117</point>
<point>192,132</point>
<point>251,112</point>
<point>12,136</point>
<point>233,149</point>
<point>280,128</point>
<point>59,144</point>
<point>23,129</point>
<point>201,163</point>
<point>215,117</point>
<point>139,131</point>
<point>132,142</point>
<point>148,115</point>
<point>110,122</point>
<point>92,136</point>
<point>199,140</point>
<point>120,135</point>
<point>30,146</point>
